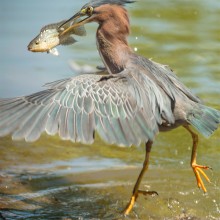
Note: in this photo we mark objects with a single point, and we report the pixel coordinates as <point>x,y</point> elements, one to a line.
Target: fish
<point>49,37</point>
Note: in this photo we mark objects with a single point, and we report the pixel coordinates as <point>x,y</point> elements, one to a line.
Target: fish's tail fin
<point>204,119</point>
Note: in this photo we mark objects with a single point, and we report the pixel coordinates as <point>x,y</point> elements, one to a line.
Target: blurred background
<point>54,179</point>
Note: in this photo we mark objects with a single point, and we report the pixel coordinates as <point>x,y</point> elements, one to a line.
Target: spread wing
<point>76,107</point>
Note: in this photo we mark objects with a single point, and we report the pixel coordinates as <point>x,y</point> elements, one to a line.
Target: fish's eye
<point>89,10</point>
<point>37,42</point>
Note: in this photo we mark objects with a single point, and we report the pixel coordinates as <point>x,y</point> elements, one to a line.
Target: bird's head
<point>98,11</point>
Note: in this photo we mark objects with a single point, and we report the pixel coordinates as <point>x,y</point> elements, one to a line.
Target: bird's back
<point>172,103</point>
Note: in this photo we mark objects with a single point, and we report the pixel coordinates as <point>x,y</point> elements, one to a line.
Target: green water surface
<point>55,179</point>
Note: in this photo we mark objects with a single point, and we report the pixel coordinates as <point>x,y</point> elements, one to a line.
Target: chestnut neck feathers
<point>114,27</point>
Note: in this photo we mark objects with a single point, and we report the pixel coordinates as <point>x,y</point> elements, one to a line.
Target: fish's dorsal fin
<point>52,26</point>
<point>67,41</point>
<point>80,31</point>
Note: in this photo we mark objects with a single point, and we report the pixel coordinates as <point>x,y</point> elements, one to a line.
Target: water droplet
<point>196,201</point>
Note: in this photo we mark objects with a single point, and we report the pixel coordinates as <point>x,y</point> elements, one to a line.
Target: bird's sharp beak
<point>74,17</point>
<point>75,24</point>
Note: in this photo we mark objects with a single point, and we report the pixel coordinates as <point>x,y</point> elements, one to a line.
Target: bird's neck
<point>113,46</point>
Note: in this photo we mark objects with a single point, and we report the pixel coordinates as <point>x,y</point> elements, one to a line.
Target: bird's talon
<point>198,170</point>
<point>130,205</point>
<point>134,198</point>
<point>200,166</point>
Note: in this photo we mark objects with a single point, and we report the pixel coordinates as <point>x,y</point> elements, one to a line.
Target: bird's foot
<point>130,205</point>
<point>134,197</point>
<point>198,169</point>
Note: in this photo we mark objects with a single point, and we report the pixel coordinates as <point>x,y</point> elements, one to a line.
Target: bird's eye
<point>89,11</point>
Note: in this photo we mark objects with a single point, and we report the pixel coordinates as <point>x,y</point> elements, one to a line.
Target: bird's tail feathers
<point>205,119</point>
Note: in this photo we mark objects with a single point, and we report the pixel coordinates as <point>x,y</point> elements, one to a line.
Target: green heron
<point>130,105</point>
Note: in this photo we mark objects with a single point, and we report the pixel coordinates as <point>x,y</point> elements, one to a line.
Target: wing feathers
<point>75,108</point>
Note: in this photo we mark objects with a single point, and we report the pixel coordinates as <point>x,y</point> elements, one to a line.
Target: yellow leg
<point>197,169</point>
<point>136,190</point>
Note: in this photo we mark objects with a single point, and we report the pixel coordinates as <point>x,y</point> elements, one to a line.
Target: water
<point>55,179</point>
